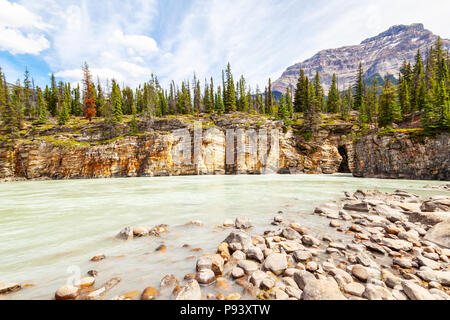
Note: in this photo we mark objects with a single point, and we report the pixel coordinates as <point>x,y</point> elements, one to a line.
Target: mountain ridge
<point>380,55</point>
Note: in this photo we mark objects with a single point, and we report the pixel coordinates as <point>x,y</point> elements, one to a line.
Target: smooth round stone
<point>67,293</point>
<point>205,277</point>
<point>302,255</point>
<point>312,266</point>
<point>228,223</point>
<point>248,266</point>
<point>237,273</point>
<point>98,257</point>
<point>149,294</point>
<point>335,224</point>
<point>354,288</point>
<point>140,232</point>
<point>238,255</point>
<point>86,282</point>
<point>360,273</point>
<point>234,296</point>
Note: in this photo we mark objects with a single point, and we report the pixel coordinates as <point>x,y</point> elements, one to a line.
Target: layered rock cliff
<point>403,156</point>
<point>169,147</point>
<point>380,55</point>
<point>232,144</point>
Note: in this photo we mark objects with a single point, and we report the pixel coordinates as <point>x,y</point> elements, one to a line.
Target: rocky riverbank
<point>379,246</point>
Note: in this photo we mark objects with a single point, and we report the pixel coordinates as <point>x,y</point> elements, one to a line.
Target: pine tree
<point>219,106</point>
<point>390,111</point>
<point>289,103</point>
<point>243,101</point>
<point>89,95</point>
<point>270,104</point>
<point>312,112</point>
<point>116,103</point>
<point>229,96</point>
<point>63,116</point>
<point>53,97</point>
<point>358,98</point>
<point>27,94</point>
<point>334,100</point>
<point>403,95</point>
<point>100,98</point>
<point>283,112</point>
<point>42,108</point>
<point>318,90</point>
<point>301,93</point>
<point>418,85</point>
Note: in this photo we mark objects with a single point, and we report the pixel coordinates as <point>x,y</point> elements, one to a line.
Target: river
<point>51,229</point>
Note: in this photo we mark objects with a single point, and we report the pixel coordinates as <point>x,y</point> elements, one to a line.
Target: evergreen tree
<point>283,111</point>
<point>359,95</point>
<point>301,93</point>
<point>312,111</point>
<point>229,96</point>
<point>219,106</point>
<point>334,100</point>
<point>318,90</point>
<point>116,103</point>
<point>53,97</point>
<point>27,99</point>
<point>243,101</point>
<point>270,102</point>
<point>289,104</point>
<point>390,111</point>
<point>42,108</point>
<point>100,98</point>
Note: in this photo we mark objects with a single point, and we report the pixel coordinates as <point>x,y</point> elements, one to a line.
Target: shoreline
<point>389,256</point>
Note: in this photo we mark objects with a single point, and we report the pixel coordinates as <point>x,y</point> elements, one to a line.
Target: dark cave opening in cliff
<point>344,167</point>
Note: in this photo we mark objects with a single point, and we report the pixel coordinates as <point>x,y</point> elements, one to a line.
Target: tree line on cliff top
<point>423,86</point>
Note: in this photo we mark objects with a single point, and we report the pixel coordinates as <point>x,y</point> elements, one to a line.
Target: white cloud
<point>21,30</point>
<point>173,39</point>
<point>16,42</point>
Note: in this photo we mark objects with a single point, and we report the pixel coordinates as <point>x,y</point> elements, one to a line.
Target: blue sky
<point>129,40</point>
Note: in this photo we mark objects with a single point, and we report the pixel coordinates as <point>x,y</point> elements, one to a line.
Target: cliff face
<point>403,156</point>
<point>382,54</point>
<point>159,152</point>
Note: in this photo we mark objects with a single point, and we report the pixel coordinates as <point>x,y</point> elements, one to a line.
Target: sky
<point>130,40</point>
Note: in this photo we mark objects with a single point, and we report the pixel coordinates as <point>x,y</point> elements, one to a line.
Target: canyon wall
<point>164,151</point>
<point>403,156</point>
<point>228,145</point>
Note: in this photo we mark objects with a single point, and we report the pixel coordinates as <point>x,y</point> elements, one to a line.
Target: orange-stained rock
<point>149,294</point>
<point>98,257</point>
<point>67,293</point>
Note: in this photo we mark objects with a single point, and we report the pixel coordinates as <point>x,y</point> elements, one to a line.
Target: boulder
<point>125,234</point>
<point>360,273</point>
<point>190,291</point>
<point>416,292</point>
<point>324,289</point>
<point>205,277</point>
<point>243,223</point>
<point>255,253</point>
<point>141,232</point>
<point>291,234</point>
<point>354,288</point>
<point>440,234</point>
<point>240,237</point>
<point>248,266</point>
<point>67,293</point>
<point>149,294</point>
<point>276,262</point>
<point>440,203</point>
<point>9,287</point>
<point>169,281</point>
<point>360,207</point>
<point>301,278</point>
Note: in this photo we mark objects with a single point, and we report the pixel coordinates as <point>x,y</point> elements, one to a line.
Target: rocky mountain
<point>382,55</point>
